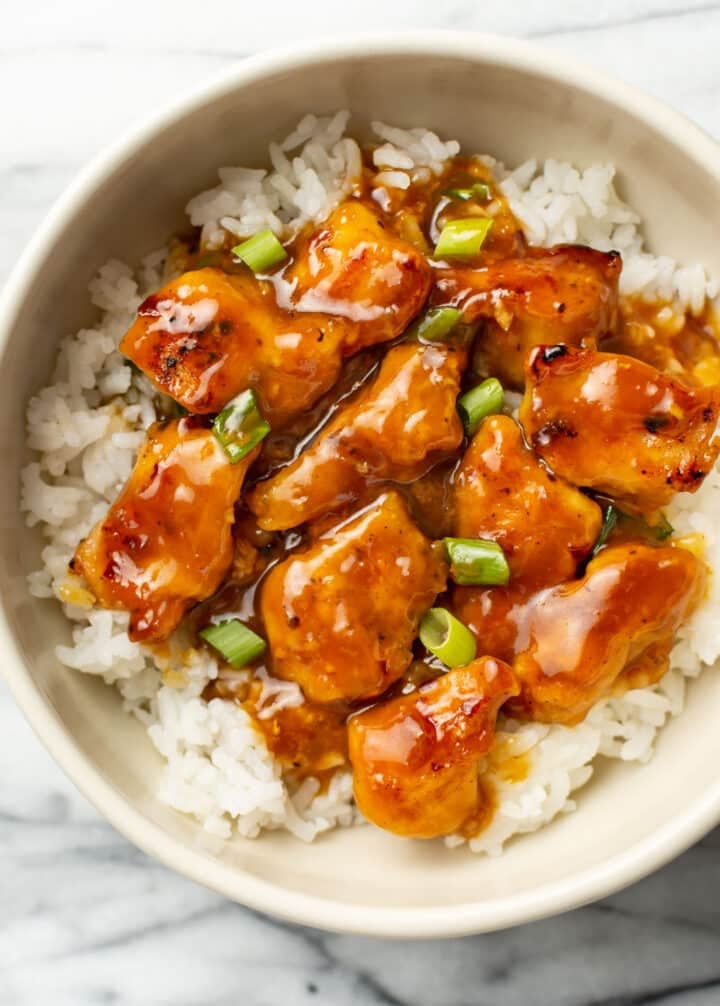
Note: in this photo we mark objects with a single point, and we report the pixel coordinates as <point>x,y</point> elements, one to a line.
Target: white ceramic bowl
<point>494,95</point>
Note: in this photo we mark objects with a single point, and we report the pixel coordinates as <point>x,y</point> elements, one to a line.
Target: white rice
<point>303,184</point>
<point>558,203</point>
<point>87,426</point>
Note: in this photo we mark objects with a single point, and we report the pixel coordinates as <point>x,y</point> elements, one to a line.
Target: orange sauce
<point>507,763</point>
<point>484,812</point>
<point>682,345</point>
<point>419,212</point>
<point>308,740</point>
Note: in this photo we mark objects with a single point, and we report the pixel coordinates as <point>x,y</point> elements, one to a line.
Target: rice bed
<point>87,425</point>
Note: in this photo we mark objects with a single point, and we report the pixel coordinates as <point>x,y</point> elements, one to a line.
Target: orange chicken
<point>307,568</point>
<point>341,617</point>
<point>415,757</point>
<point>563,294</point>
<point>545,526</point>
<point>208,335</point>
<point>616,425</point>
<point>577,642</point>
<point>396,428</point>
<point>354,267</point>
<point>166,542</point>
<point>493,615</point>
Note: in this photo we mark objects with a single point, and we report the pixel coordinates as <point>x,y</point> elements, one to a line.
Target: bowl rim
<point>551,898</point>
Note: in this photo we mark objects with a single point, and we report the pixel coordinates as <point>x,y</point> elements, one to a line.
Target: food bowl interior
<point>631,817</point>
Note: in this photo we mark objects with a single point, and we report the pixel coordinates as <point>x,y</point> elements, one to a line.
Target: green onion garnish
<point>662,528</point>
<point>237,644</point>
<point>635,524</point>
<point>240,426</point>
<point>478,191</point>
<point>477,560</point>
<point>462,238</point>
<point>483,400</point>
<point>447,638</point>
<point>260,251</point>
<point>462,195</point>
<point>610,519</point>
<point>435,324</point>
<point>210,260</point>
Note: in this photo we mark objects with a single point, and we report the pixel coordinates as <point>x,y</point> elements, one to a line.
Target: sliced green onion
<point>240,426</point>
<point>478,191</point>
<point>462,238</point>
<point>462,195</point>
<point>662,528</point>
<point>477,560</point>
<point>483,400</point>
<point>435,324</point>
<point>610,519</point>
<point>447,638</point>
<point>260,251</point>
<point>634,523</point>
<point>210,260</point>
<point>237,644</point>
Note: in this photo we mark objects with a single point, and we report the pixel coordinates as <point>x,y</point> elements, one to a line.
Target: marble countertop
<point>85,918</point>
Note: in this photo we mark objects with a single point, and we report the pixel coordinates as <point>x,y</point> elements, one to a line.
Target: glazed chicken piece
<point>577,642</point>
<point>617,425</point>
<point>415,758</point>
<point>493,615</point>
<point>545,526</point>
<point>578,638</point>
<point>341,617</point>
<point>166,542</point>
<point>645,670</point>
<point>354,267</point>
<point>396,428</point>
<point>208,335</point>
<point>563,294</point>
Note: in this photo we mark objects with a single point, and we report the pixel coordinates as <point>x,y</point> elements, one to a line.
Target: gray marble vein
<point>84,917</point>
